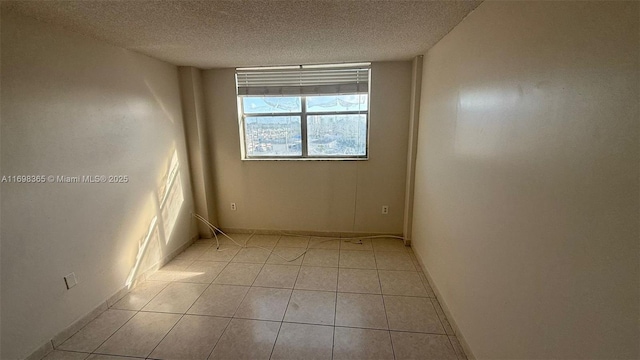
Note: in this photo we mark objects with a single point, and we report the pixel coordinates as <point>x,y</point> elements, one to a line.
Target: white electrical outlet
<point>70,280</point>
<point>385,209</point>
<point>233,207</point>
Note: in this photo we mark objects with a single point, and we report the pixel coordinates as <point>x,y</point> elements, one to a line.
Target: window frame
<point>303,114</point>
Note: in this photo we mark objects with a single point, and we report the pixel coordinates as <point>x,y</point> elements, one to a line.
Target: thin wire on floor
<point>215,229</point>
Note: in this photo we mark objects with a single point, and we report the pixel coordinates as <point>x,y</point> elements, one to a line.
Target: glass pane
<point>273,136</point>
<point>337,135</point>
<point>270,104</point>
<point>355,102</point>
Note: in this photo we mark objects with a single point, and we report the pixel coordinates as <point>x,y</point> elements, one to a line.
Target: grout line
<point>191,261</point>
<point>165,335</point>
<point>286,308</point>
<point>219,338</point>
<point>232,316</point>
<point>290,296</point>
<point>182,315</point>
<point>187,310</point>
<point>393,350</point>
<point>384,306</point>
<point>335,316</point>
<point>273,347</point>
<point>113,333</point>
<point>205,289</point>
<point>333,338</point>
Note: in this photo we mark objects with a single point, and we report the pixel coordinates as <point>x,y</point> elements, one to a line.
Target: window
<point>304,112</point>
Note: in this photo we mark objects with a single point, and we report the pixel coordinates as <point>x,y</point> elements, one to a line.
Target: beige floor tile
<point>222,243</point>
<point>277,276</point>
<point>394,260</point>
<point>321,257</point>
<point>264,304</point>
<point>266,241</point>
<point>293,241</point>
<point>357,259</point>
<point>173,271</point>
<point>140,335</point>
<point>457,348</point>
<point>361,310</point>
<point>412,314</point>
<point>97,331</point>
<point>317,278</point>
<point>407,283</point>
<point>443,318</point>
<point>204,272</point>
<point>193,252</point>
<point>193,338</point>
<point>358,281</point>
<point>311,307</point>
<point>65,355</point>
<point>283,255</point>
<point>176,298</point>
<point>303,341</point>
<point>140,295</point>
<point>408,346</point>
<point>350,344</point>
<point>238,274</point>
<point>251,255</point>
<point>107,357</point>
<point>388,244</point>
<point>219,300</point>
<point>324,243</point>
<point>240,238</point>
<point>356,244</point>
<point>225,253</point>
<point>247,339</point>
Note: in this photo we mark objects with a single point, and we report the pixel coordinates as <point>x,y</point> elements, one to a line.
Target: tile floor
<point>340,300</point>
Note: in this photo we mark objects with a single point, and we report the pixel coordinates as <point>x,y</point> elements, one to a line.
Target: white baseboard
<point>336,234</point>
<point>446,310</point>
<point>41,352</point>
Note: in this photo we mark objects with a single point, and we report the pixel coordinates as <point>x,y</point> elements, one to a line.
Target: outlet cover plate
<point>70,280</point>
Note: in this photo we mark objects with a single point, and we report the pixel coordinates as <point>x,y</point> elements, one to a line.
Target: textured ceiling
<point>210,34</point>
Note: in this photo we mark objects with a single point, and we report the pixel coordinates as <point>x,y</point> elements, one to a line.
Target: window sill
<point>305,159</point>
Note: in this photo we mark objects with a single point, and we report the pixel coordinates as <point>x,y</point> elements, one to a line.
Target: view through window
<point>331,123</point>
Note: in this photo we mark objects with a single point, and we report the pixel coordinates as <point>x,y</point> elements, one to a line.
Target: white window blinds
<point>303,80</point>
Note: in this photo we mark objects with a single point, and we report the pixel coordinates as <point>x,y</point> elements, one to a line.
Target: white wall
<point>526,200</point>
<point>75,106</point>
<point>340,196</point>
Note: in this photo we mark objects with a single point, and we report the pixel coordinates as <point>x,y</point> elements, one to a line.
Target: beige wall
<point>192,99</point>
<point>314,195</point>
<point>75,106</point>
<point>526,200</point>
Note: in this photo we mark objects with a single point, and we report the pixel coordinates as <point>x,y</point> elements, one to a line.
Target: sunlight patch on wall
<point>171,196</point>
<point>150,238</point>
